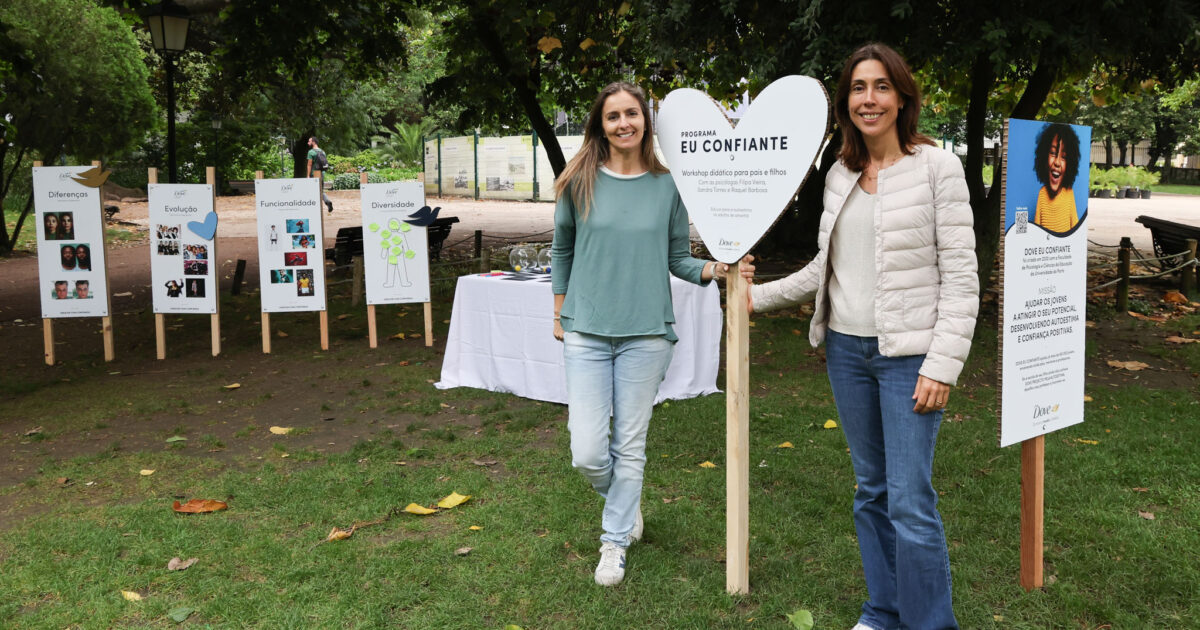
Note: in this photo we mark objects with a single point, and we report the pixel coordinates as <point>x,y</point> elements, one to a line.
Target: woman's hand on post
<point>930,395</point>
<point>720,270</point>
<point>558,329</point>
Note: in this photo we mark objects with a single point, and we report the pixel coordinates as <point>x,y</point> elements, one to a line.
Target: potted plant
<point>1106,186</point>
<point>1095,177</point>
<point>1147,180</point>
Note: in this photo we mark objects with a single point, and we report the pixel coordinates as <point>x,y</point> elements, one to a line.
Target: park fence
<point>482,167</point>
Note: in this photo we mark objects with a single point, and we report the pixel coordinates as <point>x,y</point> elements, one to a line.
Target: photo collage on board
<point>73,256</point>
<point>193,262</point>
<point>300,243</point>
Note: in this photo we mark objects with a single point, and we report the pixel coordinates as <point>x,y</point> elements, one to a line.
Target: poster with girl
<point>70,242</point>
<point>290,236</point>
<point>1044,274</point>
<point>395,248</point>
<point>183,227</point>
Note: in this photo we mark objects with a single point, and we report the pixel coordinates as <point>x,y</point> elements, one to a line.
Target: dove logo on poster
<point>736,181</point>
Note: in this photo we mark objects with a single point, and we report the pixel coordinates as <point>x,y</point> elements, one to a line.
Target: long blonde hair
<point>579,177</point>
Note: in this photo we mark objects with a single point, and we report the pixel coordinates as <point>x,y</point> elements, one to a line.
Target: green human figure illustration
<point>393,246</point>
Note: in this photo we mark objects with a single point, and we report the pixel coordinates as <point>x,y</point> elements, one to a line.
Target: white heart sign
<point>736,182</point>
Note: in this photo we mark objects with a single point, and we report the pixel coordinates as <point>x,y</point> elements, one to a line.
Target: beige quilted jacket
<point>926,290</point>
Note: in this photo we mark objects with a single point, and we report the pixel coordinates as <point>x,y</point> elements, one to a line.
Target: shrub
<point>399,174</point>
<point>350,181</point>
<point>367,160</point>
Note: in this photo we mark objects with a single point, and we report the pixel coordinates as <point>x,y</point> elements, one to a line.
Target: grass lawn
<point>1177,189</point>
<point>1122,497</point>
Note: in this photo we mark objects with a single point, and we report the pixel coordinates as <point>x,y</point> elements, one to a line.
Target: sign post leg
<point>428,325</point>
<point>324,330</point>
<point>1033,476</point>
<point>372,333</point>
<point>266,333</point>
<point>160,335</point>
<point>48,339</point>
<point>737,434</point>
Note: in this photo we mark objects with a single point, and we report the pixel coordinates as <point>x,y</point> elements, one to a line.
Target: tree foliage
<point>82,89</point>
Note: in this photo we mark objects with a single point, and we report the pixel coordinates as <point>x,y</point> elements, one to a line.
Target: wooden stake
<point>324,330</point>
<point>47,323</point>
<point>214,322</point>
<point>372,333</point>
<point>160,322</point>
<point>737,434</point>
<point>1033,476</point>
<point>106,325</point>
<point>428,325</point>
<point>266,317</point>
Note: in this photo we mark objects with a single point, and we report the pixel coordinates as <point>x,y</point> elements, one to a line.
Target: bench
<point>349,241</point>
<point>1170,239</point>
<point>242,186</point>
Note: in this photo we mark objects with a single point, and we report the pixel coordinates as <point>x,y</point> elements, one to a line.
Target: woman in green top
<point>619,229</point>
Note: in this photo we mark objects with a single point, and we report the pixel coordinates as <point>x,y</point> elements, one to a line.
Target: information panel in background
<point>70,243</point>
<point>458,166</point>
<point>506,167</point>
<point>183,228</point>
<point>545,173</point>
<point>395,252</point>
<point>291,261</point>
<point>1043,311</point>
<point>431,167</point>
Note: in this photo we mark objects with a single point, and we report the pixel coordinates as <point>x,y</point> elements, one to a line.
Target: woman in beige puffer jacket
<point>896,296</point>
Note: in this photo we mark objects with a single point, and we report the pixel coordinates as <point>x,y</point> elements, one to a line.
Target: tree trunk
<point>1122,146</point>
<point>1107,151</point>
<point>987,229</point>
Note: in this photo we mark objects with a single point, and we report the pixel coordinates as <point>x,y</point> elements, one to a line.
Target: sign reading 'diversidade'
<point>1044,243</point>
<point>395,252</point>
<point>183,228</point>
<point>70,242</point>
<point>736,182</point>
<point>291,258</point>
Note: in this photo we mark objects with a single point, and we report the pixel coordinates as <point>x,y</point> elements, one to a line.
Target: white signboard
<point>395,252</point>
<point>1044,244</point>
<point>70,241</point>
<point>183,262</point>
<point>736,182</point>
<point>291,255</point>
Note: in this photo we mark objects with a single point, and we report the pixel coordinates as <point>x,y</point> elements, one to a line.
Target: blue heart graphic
<point>206,229</point>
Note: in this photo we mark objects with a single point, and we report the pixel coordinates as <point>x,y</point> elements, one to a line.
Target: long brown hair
<point>579,177</point>
<point>854,149</point>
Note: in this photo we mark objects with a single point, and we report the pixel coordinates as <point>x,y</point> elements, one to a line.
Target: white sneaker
<point>611,569</point>
<point>861,626</point>
<point>639,526</point>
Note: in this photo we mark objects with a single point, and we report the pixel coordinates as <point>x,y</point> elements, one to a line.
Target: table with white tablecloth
<point>502,338</point>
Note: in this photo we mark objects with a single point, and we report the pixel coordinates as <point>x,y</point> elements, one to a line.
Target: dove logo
<point>1040,410</point>
<point>180,193</point>
<point>285,188</point>
<point>724,243</point>
<point>391,192</point>
<point>65,176</point>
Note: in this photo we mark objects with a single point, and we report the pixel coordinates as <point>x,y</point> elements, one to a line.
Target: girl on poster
<point>83,257</point>
<point>896,297</point>
<point>619,229</point>
<point>50,226</point>
<point>66,226</point>
<point>1056,162</point>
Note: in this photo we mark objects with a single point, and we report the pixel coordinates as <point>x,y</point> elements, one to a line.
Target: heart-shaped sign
<point>736,182</point>
<point>206,229</point>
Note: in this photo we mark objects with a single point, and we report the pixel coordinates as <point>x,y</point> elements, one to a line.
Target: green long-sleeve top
<point>613,267</point>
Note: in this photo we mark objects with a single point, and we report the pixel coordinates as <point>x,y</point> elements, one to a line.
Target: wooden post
<point>737,433</point>
<point>372,332</point>
<point>1033,476</point>
<point>324,315</point>
<point>1123,270</point>
<point>325,330</point>
<point>47,323</point>
<point>266,317</point>
<point>214,322</point>
<point>1188,276</point>
<point>428,325</point>
<point>160,320</point>
<point>106,325</point>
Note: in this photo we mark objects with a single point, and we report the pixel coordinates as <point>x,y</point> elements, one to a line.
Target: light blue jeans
<point>611,386</point>
<point>900,533</point>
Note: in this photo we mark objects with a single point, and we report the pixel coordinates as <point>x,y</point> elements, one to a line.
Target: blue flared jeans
<point>900,534</point>
<point>611,386</point>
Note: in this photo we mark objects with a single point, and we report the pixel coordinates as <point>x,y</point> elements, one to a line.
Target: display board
<point>1043,276</point>
<point>395,252</point>
<point>431,166</point>
<point>570,146</point>
<point>70,242</point>
<point>506,167</point>
<point>291,255</point>
<point>183,264</point>
<point>458,166</point>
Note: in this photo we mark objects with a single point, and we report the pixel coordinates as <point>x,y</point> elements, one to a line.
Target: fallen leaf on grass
<point>1149,318</point>
<point>63,481</point>
<point>176,438</point>
<point>1087,398</point>
<point>463,551</point>
<point>1132,366</point>
<point>199,506</point>
<point>1149,516</point>
<point>830,424</point>
<point>1083,441</point>
<point>281,430</point>
<point>146,472</point>
<point>1140,489</point>
<point>233,386</point>
<point>175,564</point>
<point>1177,339</point>
<point>280,334</point>
<point>997,617</point>
<point>340,534</point>
<point>474,528</point>
<point>786,445</point>
<point>342,316</point>
<point>1175,297</point>
<point>398,336</point>
<point>707,464</point>
<point>453,500</point>
<point>484,462</point>
<point>801,619</point>
<point>132,596</point>
<point>413,508</point>
<point>180,615</point>
<point>33,431</point>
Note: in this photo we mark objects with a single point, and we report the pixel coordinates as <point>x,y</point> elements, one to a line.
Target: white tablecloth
<point>501,339</point>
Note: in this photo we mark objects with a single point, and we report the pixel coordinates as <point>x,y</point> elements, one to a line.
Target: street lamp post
<point>168,23</point>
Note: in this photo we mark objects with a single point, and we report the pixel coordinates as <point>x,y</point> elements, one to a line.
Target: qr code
<point>1022,221</point>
